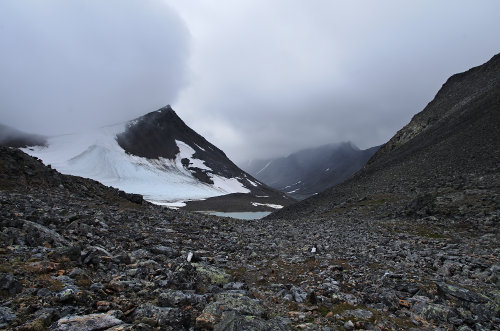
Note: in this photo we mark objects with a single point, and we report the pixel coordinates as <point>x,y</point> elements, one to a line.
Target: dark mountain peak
<point>166,112</point>
<point>158,135</point>
<point>166,109</point>
<point>163,116</point>
<point>153,135</point>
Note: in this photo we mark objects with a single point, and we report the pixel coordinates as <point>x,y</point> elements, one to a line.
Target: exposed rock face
<point>444,162</point>
<point>92,322</point>
<point>154,134</point>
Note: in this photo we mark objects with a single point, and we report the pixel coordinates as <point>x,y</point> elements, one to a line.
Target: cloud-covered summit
<point>66,65</point>
<point>257,78</point>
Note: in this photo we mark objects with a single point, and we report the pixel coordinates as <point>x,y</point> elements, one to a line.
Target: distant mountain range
<point>156,155</point>
<point>444,162</point>
<point>310,171</point>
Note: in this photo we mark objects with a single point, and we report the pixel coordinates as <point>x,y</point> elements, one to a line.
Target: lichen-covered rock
<point>432,312</point>
<point>6,316</point>
<point>174,298</point>
<point>359,314</point>
<point>237,302</point>
<point>455,292</point>
<point>160,316</point>
<point>229,302</point>
<point>213,275</point>
<point>92,322</point>
<point>232,321</point>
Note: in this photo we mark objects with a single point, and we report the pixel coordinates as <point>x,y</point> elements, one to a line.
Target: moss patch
<point>213,275</point>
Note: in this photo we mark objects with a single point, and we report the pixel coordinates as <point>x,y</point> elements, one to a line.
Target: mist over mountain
<point>444,162</point>
<point>15,138</point>
<point>310,171</point>
<point>413,234</point>
<point>158,156</point>
<point>371,201</point>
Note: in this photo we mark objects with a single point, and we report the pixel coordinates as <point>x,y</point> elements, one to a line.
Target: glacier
<point>96,154</point>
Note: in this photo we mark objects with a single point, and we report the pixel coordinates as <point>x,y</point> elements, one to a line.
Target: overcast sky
<point>258,78</point>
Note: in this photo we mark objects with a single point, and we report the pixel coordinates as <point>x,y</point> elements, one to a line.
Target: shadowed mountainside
<point>445,161</point>
<point>15,138</point>
<point>310,171</point>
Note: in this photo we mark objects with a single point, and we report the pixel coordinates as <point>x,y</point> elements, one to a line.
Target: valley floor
<point>96,265</point>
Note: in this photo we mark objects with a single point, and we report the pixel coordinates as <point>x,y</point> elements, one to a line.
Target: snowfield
<point>97,155</point>
<point>256,204</point>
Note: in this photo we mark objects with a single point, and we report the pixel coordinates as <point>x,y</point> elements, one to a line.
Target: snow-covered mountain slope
<point>310,171</point>
<point>156,155</point>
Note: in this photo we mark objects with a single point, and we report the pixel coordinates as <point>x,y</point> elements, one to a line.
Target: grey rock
<point>349,325</point>
<point>164,250</point>
<point>432,311</point>
<point>38,234</point>
<point>160,316</point>
<point>72,252</point>
<point>361,314</point>
<point>232,321</point>
<point>9,285</point>
<point>6,316</point>
<point>44,292</point>
<point>174,298</point>
<point>92,322</point>
<point>299,295</point>
<point>95,255</point>
<point>239,303</point>
<point>65,295</point>
<point>452,291</point>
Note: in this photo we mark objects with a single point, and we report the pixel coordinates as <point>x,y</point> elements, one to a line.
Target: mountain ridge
<point>158,156</point>
<point>309,171</point>
<point>432,166</point>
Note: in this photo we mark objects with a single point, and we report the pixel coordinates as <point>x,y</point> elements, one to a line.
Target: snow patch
<point>253,183</point>
<point>200,147</point>
<point>171,205</point>
<point>228,184</point>
<point>187,152</point>
<point>256,204</point>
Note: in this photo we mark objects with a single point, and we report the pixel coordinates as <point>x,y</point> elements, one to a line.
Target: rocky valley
<point>411,241</point>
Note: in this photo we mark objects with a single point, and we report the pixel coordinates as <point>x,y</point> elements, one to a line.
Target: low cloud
<point>69,65</point>
<point>257,78</point>
<point>290,74</point>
